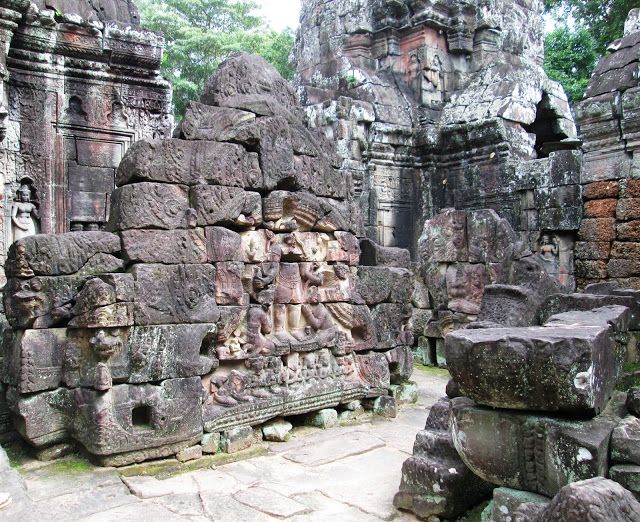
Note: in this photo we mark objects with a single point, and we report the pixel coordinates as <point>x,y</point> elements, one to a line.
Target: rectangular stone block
<point>593,250</point>
<point>628,231</point>
<point>175,294</point>
<point>600,208</point>
<point>541,454</point>
<point>601,190</point>
<point>597,229</point>
<point>223,245</point>
<point>631,188</point>
<point>542,369</point>
<point>54,255</point>
<point>190,163</point>
<point>628,209</point>
<point>205,122</point>
<point>229,288</point>
<point>170,247</point>
<point>561,303</point>
<point>379,284</point>
<point>391,324</point>
<point>621,250</point>
<point>150,206</point>
<point>219,205</point>
<point>591,269</point>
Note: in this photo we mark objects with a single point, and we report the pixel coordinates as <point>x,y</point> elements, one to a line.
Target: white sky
<point>280,13</point>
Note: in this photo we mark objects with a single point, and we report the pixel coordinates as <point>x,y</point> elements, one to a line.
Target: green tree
<point>604,19</point>
<point>200,34</point>
<point>570,58</point>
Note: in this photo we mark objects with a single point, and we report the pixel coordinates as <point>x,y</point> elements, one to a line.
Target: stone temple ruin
<point>229,290</point>
<point>431,197</point>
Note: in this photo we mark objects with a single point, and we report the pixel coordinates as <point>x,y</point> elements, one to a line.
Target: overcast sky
<point>280,13</point>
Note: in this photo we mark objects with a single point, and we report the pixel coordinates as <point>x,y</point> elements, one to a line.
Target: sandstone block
<point>170,247</point>
<point>175,294</point>
<point>150,206</point>
<point>380,284</point>
<point>509,305</point>
<point>506,448</point>
<point>190,453</point>
<point>391,322</point>
<point>578,367</point>
<point>561,303</point>
<point>223,245</point>
<point>627,476</point>
<point>508,504</point>
<point>210,443</point>
<point>625,441</point>
<point>593,250</point>
<point>237,439</point>
<point>205,122</point>
<point>56,255</point>
<point>591,269</point>
<point>327,418</point>
<point>219,205</point>
<point>278,430</point>
<point>376,255</point>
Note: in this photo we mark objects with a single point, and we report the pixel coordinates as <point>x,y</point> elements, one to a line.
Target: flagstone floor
<point>344,474</point>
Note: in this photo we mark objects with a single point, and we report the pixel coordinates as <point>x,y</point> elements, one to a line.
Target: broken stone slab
<point>205,122</point>
<point>625,441</point>
<point>381,284</point>
<point>55,255</point>
<point>190,453</point>
<point>373,254</point>
<point>183,162</point>
<point>435,482</point>
<point>278,430</point>
<point>509,504</point>
<point>150,206</point>
<point>211,443</point>
<point>540,454</point>
<point>391,324</point>
<point>508,305</point>
<point>270,502</point>
<point>597,497</point>
<point>175,294</point>
<point>220,205</point>
<point>170,247</point>
<point>560,303</point>
<point>538,368</point>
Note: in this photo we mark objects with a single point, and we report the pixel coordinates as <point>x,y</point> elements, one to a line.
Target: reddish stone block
<point>628,209</point>
<point>597,229</point>
<point>631,188</point>
<point>591,269</point>
<point>600,208</point>
<point>622,250</point>
<point>629,231</point>
<point>595,250</point>
<point>601,190</point>
<point>623,267</point>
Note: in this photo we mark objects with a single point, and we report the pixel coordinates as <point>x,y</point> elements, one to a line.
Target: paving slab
<point>228,509</point>
<point>336,448</point>
<point>135,512</point>
<point>270,502</point>
<point>151,487</point>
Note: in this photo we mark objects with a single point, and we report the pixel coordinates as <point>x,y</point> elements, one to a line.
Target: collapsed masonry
<point>232,288</point>
<point>80,83</point>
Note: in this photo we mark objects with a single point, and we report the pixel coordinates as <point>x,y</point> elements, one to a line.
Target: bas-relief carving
<point>24,214</point>
<point>206,276</point>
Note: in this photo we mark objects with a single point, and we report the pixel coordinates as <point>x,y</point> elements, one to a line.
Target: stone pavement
<point>346,473</point>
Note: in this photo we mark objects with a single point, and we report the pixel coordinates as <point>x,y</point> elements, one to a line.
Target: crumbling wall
<point>81,83</point>
<point>232,288</point>
<point>444,104</point>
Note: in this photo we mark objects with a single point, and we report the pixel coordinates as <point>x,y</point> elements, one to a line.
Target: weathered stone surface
<point>327,418</point>
<point>218,205</point>
<point>628,477</point>
<point>278,430</point>
<point>510,504</point>
<point>505,448</point>
<point>150,206</point>
<point>596,498</point>
<point>190,163</point>
<point>63,254</point>
<point>211,442</point>
<point>175,294</point>
<point>238,439</point>
<point>204,122</point>
<point>544,369</point>
<point>435,482</point>
<point>633,402</point>
<point>509,306</point>
<point>560,303</point>
<point>223,245</point>
<point>384,284</point>
<point>171,247</point>
<point>376,255</point>
<point>625,441</point>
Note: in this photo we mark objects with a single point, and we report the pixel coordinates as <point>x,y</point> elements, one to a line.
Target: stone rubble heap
<point>231,289</point>
<point>534,411</point>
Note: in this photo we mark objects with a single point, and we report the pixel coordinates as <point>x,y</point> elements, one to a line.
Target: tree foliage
<point>604,19</point>
<point>200,34</point>
<point>570,57</point>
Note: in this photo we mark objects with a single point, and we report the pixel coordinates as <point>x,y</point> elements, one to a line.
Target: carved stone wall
<point>444,104</point>
<point>80,85</point>
<point>232,288</point>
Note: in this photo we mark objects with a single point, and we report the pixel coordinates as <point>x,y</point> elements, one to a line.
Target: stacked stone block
<point>609,236</point>
<point>229,291</point>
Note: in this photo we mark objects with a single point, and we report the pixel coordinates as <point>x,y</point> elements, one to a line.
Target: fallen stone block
<point>625,441</point>
<point>327,418</point>
<point>510,504</point>
<point>544,369</point>
<point>237,439</point>
<point>278,430</point>
<point>628,476</point>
